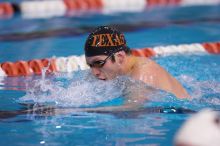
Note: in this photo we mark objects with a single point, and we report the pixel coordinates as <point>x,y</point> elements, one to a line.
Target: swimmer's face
<point>103,67</point>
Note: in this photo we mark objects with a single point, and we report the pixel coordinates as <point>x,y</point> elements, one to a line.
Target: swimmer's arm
<point>125,107</point>
<point>50,110</point>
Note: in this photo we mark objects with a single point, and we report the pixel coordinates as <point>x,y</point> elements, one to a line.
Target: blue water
<point>198,73</point>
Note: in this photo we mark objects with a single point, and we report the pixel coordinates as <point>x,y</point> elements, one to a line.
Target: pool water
<point>199,73</point>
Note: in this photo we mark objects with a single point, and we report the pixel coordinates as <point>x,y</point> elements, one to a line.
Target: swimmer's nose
<point>96,72</point>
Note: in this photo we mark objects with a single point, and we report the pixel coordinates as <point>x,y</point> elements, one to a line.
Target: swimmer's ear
<point>120,57</point>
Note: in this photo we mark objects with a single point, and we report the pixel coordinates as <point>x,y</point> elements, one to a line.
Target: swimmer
<point>108,56</point>
<point>202,129</point>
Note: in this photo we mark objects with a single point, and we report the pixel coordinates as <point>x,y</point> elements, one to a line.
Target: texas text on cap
<point>104,41</point>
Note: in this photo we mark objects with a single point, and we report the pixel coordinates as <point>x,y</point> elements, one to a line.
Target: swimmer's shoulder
<point>146,65</point>
<point>149,71</point>
<point>142,68</point>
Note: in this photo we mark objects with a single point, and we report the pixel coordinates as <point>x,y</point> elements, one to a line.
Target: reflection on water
<point>104,128</point>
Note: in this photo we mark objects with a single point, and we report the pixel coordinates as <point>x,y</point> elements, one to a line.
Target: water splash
<point>82,90</point>
<point>45,69</point>
<point>203,93</point>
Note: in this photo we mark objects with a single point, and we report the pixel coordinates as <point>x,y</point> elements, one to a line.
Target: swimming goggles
<point>100,63</point>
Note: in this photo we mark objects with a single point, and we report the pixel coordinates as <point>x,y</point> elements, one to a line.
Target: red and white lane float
<point>83,5</point>
<point>6,10</point>
<point>212,48</point>
<point>110,6</point>
<point>54,8</point>
<point>2,73</point>
<point>71,63</point>
<point>26,68</point>
<point>202,129</point>
<point>74,63</point>
<point>42,9</point>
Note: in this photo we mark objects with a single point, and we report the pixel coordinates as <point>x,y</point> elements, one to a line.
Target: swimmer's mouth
<point>103,79</point>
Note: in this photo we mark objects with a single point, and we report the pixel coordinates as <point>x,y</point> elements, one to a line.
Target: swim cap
<point>104,41</point>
